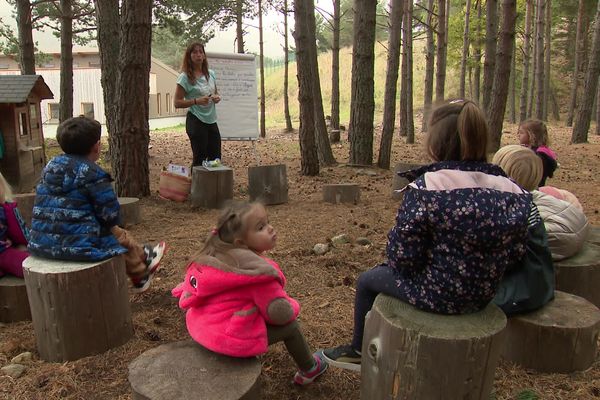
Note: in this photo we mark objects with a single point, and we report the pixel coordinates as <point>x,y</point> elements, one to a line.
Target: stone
<point>22,358</point>
<point>340,239</point>
<point>363,241</point>
<point>320,248</point>
<point>13,370</point>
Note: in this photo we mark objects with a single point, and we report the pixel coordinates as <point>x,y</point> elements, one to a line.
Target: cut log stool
<point>14,305</point>
<point>130,211</point>
<point>268,183</point>
<point>211,188</point>
<point>341,193</point>
<point>78,308</point>
<point>594,235</point>
<point>398,182</point>
<point>186,370</point>
<point>411,354</point>
<point>580,274</point>
<point>561,337</point>
<point>25,203</point>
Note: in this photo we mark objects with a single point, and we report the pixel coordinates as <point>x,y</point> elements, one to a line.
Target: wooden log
<point>186,370</point>
<point>78,308</point>
<point>334,136</point>
<point>580,274</point>
<point>594,235</point>
<point>341,193</point>
<point>412,354</point>
<point>14,305</point>
<point>211,188</point>
<point>399,182</point>
<point>561,337</point>
<point>130,211</point>
<point>268,183</point>
<point>25,203</point>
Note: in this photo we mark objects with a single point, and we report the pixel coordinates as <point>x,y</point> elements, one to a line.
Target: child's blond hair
<point>6,193</point>
<point>521,164</point>
<point>537,132</point>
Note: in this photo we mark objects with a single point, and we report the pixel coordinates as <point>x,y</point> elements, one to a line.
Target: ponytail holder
<point>214,231</point>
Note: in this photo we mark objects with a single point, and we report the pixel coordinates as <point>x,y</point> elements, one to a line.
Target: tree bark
<point>503,62</point>
<point>429,67</point>
<point>263,129</point>
<point>512,99</point>
<point>477,57</point>
<point>362,104</point>
<point>578,64</point>
<point>335,67</point>
<point>239,28</point>
<point>286,62</point>
<point>442,33</point>
<point>26,46</point>
<point>309,162</point>
<point>465,52</point>
<point>547,65</point>
<point>539,60</point>
<point>391,84</point>
<point>130,144</point>
<point>404,77</point>
<point>66,60</point>
<point>598,111</point>
<point>530,100</point>
<point>526,62</point>
<point>107,16</point>
<point>489,65</point>
<point>410,122</point>
<point>583,113</point>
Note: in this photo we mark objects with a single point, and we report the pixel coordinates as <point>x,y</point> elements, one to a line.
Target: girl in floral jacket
<point>461,224</point>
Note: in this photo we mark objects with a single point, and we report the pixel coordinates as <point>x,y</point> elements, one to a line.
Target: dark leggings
<point>294,341</point>
<point>380,279</point>
<point>204,138</point>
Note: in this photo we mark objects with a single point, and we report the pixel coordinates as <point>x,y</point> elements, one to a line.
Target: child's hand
<point>216,98</point>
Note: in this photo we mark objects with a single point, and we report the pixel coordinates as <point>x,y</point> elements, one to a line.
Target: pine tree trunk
<point>442,32</point>
<point>539,60</point>
<point>489,65</point>
<point>286,63</point>
<point>477,57</point>
<point>526,62</point>
<point>547,55</point>
<point>410,122</point>
<point>391,84</point>
<point>512,106</point>
<point>107,17</point>
<point>503,62</point>
<point>362,100</point>
<point>465,52</point>
<point>130,151</point>
<point>583,112</point>
<point>530,100</point>
<point>309,161</point>
<point>66,60</point>
<point>26,46</point>
<point>335,67</point>
<point>239,29</point>
<point>404,77</point>
<point>263,128</point>
<point>598,111</point>
<point>429,67</point>
<point>577,67</point>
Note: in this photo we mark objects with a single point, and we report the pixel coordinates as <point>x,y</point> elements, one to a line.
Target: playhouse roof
<point>16,88</point>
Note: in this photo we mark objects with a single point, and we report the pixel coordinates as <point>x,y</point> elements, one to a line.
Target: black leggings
<point>204,138</point>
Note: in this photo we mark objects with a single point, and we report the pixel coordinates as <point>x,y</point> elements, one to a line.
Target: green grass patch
<point>527,395</point>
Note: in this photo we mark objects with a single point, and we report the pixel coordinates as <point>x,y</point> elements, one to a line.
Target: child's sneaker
<point>154,255</point>
<point>303,378</point>
<point>343,357</point>
<point>140,285</point>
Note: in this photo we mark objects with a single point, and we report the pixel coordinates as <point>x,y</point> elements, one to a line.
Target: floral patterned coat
<point>460,225</point>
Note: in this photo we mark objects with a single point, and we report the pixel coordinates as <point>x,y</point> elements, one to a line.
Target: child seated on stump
<point>13,234</point>
<point>76,211</point>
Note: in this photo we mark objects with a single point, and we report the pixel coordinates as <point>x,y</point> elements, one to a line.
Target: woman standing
<point>197,90</point>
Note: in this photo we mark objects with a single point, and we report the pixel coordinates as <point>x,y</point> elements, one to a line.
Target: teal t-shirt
<point>202,87</point>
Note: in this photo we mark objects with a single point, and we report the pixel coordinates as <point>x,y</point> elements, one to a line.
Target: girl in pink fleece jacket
<point>235,298</point>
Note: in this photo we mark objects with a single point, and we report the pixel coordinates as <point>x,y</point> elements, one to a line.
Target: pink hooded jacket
<point>228,308</point>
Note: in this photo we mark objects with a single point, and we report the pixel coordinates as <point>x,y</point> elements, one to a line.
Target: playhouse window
<point>87,109</point>
<point>33,117</point>
<point>23,124</point>
<point>53,111</point>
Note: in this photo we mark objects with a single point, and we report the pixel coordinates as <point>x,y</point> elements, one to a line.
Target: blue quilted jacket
<point>75,207</point>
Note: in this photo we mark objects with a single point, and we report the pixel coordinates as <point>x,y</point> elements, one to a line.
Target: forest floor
<point>324,285</point>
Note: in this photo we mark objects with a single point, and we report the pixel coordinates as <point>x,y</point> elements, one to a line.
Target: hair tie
<point>214,231</point>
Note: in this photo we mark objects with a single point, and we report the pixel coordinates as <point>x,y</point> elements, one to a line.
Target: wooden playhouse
<point>23,157</point>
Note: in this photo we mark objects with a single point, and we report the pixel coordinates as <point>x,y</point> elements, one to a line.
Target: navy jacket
<point>75,207</point>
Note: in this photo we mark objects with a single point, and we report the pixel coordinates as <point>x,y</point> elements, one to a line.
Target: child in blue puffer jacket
<point>76,210</point>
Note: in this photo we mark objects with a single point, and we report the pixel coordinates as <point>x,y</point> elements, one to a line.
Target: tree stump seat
<point>130,211</point>
<point>211,187</point>
<point>341,193</point>
<point>268,183</point>
<point>25,203</point>
<point>594,235</point>
<point>411,354</point>
<point>580,274</point>
<point>186,370</point>
<point>398,182</point>
<point>78,308</point>
<point>561,337</point>
<point>14,305</point>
